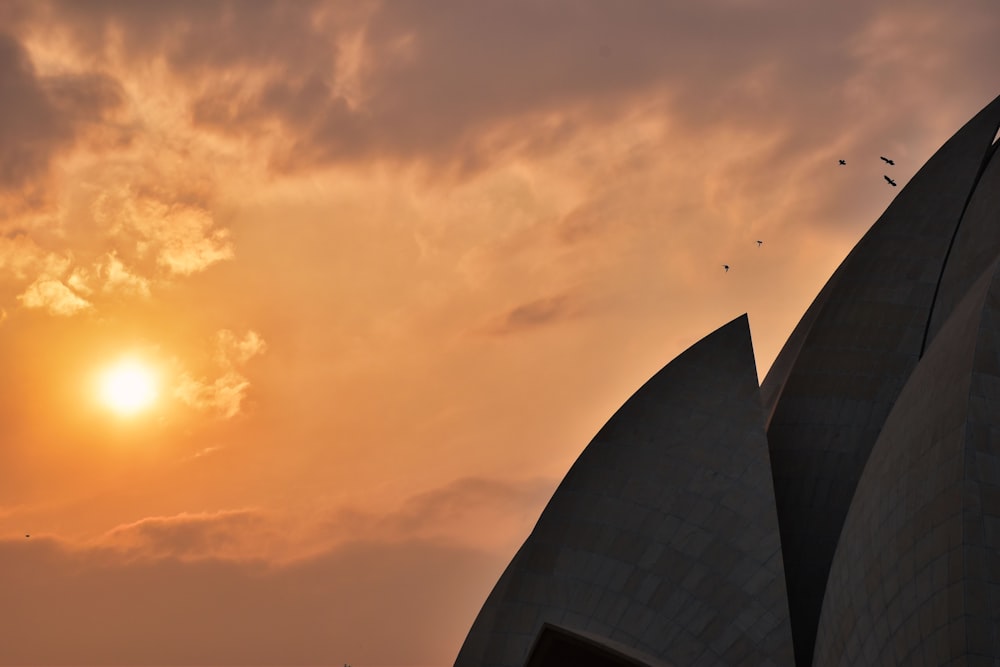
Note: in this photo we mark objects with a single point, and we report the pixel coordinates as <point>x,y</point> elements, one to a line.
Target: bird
<point>887,160</point>
<point>726,267</point>
<point>27,535</point>
<point>760,243</point>
<point>842,161</point>
<point>889,180</point>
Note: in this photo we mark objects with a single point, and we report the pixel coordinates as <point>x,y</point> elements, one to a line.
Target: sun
<point>128,387</point>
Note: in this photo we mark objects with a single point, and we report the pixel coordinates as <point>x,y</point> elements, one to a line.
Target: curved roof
<point>976,244</point>
<point>842,369</point>
<point>910,582</point>
<point>663,536</point>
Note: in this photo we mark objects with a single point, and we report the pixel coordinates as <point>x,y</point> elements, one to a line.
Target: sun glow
<point>128,387</point>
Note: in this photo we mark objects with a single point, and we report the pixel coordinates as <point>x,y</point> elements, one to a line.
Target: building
<point>844,512</point>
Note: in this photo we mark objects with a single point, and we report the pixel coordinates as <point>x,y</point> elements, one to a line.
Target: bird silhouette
<point>760,243</point>
<point>842,161</point>
<point>726,267</point>
<point>27,535</point>
<point>889,180</point>
<point>887,160</point>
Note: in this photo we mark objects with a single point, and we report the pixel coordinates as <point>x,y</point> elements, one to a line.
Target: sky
<point>381,271</point>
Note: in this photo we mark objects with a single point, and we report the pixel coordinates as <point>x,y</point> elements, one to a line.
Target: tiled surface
<point>977,244</point>
<point>900,589</point>
<point>663,535</point>
<point>850,359</point>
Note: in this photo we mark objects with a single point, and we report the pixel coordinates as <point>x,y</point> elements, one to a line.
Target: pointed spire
<point>665,522</point>
<point>833,384</point>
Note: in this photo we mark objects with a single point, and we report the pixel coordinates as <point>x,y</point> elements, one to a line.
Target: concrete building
<point>849,506</point>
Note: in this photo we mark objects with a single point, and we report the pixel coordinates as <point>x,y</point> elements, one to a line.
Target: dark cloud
<point>194,36</point>
<point>229,534</point>
<point>466,83</point>
<point>41,116</point>
<point>534,314</point>
<point>472,494</point>
<point>455,511</point>
<point>108,610</point>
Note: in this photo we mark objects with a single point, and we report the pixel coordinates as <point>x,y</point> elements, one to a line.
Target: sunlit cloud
<point>225,394</point>
<point>232,534</point>
<point>21,258</point>
<point>188,244</point>
<point>54,297</point>
<point>117,277</point>
<point>109,274</point>
<point>181,237</point>
<point>235,350</point>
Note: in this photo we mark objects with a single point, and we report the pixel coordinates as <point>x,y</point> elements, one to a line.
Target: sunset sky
<point>380,270</point>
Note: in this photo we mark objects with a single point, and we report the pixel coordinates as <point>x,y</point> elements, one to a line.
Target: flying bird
<point>887,160</point>
<point>726,267</point>
<point>889,180</point>
<point>842,161</point>
<point>760,243</point>
<point>27,535</point>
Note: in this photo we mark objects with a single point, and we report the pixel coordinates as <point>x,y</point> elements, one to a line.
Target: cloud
<point>233,350</point>
<point>53,296</point>
<point>455,514</point>
<point>41,116</point>
<point>362,602</point>
<point>188,244</point>
<point>535,314</point>
<point>467,85</point>
<point>118,278</point>
<point>220,588</point>
<point>112,276</point>
<point>21,258</point>
<point>251,586</point>
<point>225,394</point>
<point>231,534</point>
<point>182,237</point>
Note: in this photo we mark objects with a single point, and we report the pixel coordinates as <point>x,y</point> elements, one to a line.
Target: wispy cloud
<point>225,394</point>
<point>107,607</point>
<point>233,350</point>
<point>535,314</point>
<point>42,116</point>
<point>108,274</point>
<point>220,588</point>
<point>454,513</point>
<point>232,534</point>
<point>182,237</point>
<point>54,297</point>
<point>21,258</point>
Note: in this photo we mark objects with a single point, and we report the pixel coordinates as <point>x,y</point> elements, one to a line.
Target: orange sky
<point>393,265</point>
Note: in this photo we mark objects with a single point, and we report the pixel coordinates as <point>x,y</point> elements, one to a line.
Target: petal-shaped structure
<point>976,244</point>
<point>662,540</point>
<point>915,576</point>
<point>834,383</point>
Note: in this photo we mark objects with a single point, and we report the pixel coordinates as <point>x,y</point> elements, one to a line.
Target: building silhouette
<point>844,512</point>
